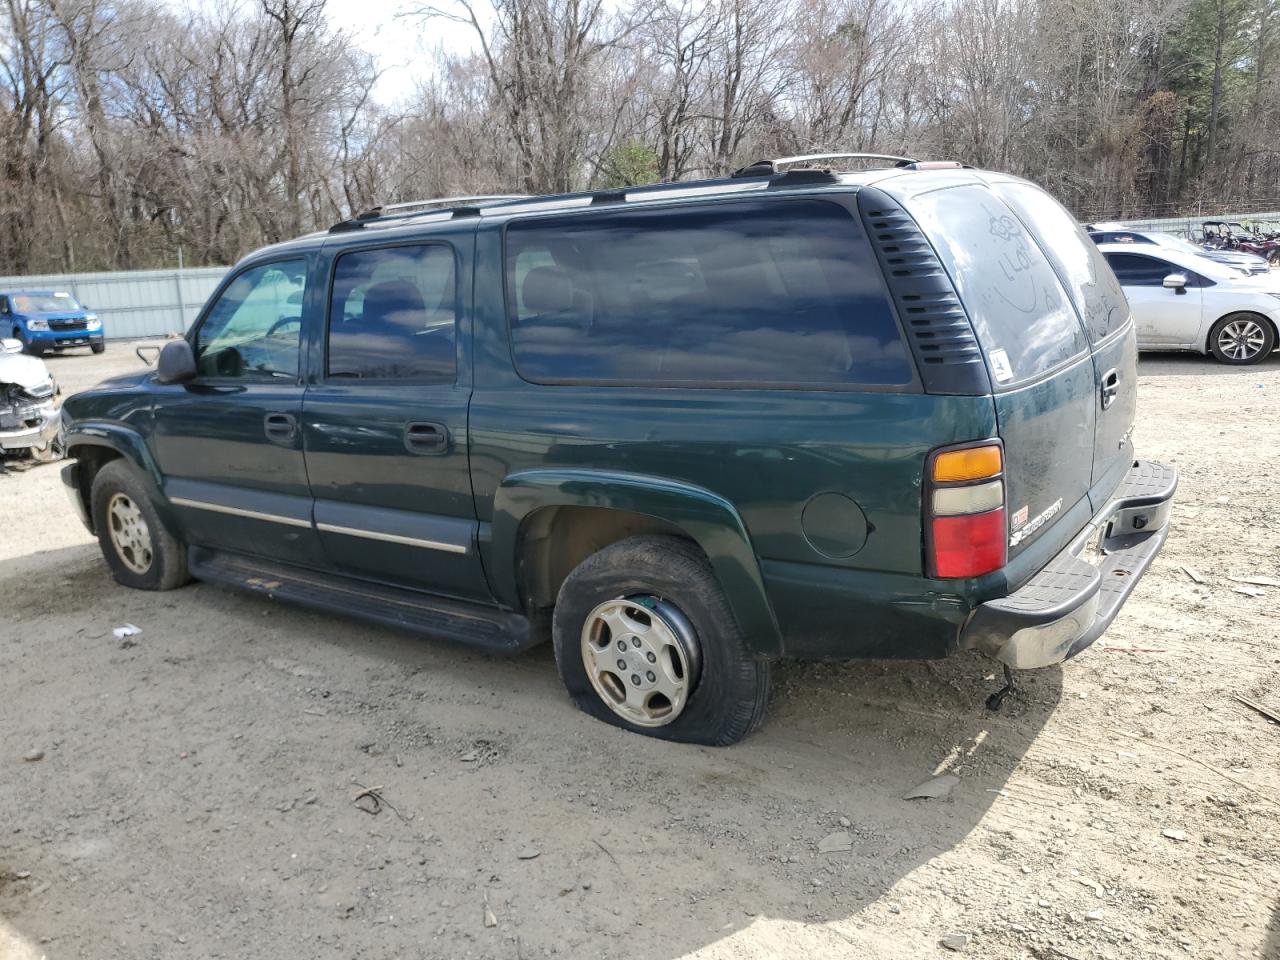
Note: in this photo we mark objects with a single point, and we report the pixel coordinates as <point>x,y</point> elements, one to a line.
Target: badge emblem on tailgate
<point>1038,521</point>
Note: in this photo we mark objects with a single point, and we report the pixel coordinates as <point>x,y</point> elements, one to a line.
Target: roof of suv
<point>921,176</point>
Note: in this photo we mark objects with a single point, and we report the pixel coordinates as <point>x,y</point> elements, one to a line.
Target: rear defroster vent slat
<point>937,326</point>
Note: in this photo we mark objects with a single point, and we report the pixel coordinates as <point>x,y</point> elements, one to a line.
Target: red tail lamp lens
<point>969,546</point>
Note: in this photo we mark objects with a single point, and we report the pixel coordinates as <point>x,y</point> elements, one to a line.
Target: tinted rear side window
<point>1092,287</point>
<point>780,292</point>
<point>1021,313</point>
<point>392,315</point>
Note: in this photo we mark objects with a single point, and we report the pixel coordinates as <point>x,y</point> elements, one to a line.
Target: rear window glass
<point>781,292</point>
<point>1092,287</point>
<point>1021,313</point>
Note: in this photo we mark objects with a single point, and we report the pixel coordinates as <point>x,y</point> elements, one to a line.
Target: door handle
<point>1110,388</point>
<point>425,437</point>
<point>280,428</point>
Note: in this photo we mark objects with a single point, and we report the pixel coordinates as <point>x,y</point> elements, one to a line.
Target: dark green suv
<point>683,430</point>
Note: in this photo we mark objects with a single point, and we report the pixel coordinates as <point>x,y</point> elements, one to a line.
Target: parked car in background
<point>1181,301</point>
<point>682,430</point>
<point>29,422</point>
<point>1231,235</point>
<point>49,320</point>
<point>1249,263</point>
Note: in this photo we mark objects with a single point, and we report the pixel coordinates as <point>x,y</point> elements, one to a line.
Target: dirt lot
<point>195,793</point>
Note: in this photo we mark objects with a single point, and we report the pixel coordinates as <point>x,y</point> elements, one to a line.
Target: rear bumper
<point>1071,602</point>
<point>38,436</point>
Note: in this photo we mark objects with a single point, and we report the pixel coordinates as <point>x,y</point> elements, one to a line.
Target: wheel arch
<point>93,445</point>
<point>545,522</point>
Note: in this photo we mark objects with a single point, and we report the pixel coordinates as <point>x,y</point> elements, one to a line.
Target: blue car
<point>49,320</point>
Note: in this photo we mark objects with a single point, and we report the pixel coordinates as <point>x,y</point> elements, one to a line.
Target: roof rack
<point>460,206</point>
<point>768,168</point>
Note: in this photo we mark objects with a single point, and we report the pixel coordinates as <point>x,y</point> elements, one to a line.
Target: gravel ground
<point>195,793</point>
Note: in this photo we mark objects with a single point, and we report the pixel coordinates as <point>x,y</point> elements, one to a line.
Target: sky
<point>399,46</point>
<point>402,48</point>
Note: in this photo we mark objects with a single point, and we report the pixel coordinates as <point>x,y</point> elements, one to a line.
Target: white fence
<point>133,303</point>
<point>1190,227</point>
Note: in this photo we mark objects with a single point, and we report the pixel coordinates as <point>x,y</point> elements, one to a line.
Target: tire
<point>152,559</point>
<point>97,347</point>
<point>668,582</point>
<point>1240,339</point>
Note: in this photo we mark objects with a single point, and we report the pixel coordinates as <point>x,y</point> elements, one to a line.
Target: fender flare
<point>710,520</point>
<point>126,443</point>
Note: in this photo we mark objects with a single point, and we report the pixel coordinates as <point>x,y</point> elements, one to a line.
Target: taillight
<point>964,505</point>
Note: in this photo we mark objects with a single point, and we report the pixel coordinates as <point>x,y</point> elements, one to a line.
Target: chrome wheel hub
<point>1241,339</point>
<point>641,656</point>
<point>129,533</point>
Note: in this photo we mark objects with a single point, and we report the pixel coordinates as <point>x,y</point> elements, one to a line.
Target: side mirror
<point>9,345</point>
<point>1176,282</point>
<point>177,364</point>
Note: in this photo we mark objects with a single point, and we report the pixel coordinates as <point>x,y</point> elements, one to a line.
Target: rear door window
<point>392,315</point>
<point>783,292</point>
<point>1096,295</point>
<point>1020,311</point>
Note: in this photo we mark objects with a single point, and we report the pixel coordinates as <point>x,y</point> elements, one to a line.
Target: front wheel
<point>645,640</point>
<point>1242,338</point>
<point>97,347</point>
<point>137,546</point>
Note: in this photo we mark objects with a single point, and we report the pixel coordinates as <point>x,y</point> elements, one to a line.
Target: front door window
<point>254,329</point>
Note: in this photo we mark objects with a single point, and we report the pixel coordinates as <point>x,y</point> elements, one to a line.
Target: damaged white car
<point>29,422</point>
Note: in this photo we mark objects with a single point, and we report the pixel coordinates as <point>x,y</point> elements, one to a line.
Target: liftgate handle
<point>1110,387</point>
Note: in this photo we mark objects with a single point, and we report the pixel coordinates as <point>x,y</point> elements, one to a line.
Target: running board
<point>474,625</point>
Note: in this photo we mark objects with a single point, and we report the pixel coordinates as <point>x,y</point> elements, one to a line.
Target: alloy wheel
<point>1241,339</point>
<point>130,534</point>
<point>641,656</point>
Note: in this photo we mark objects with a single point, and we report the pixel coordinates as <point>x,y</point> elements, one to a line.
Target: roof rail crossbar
<point>410,208</point>
<point>767,168</point>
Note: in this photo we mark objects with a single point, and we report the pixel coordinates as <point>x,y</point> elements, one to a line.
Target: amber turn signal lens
<point>975,463</point>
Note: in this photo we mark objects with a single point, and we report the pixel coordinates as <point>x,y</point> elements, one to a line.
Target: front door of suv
<point>1164,317</point>
<point>385,416</point>
<point>229,442</point>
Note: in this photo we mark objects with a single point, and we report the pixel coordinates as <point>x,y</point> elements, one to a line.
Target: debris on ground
<point>529,853</point>
<point>1256,581</point>
<point>1194,574</point>
<point>955,941</point>
<point>935,788</point>
<point>1179,835</point>
<point>371,800</point>
<point>128,630</point>
<point>36,754</point>
<point>1268,713</point>
<point>1250,591</point>
<point>838,842</point>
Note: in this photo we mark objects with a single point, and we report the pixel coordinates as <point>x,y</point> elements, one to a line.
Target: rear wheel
<point>141,552</point>
<point>1242,338</point>
<point>645,640</point>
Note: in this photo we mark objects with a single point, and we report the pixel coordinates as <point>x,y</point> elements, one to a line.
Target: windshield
<point>44,303</point>
<point>1177,243</point>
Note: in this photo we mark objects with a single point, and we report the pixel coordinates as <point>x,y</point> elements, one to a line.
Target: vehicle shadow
<point>1271,947</point>
<point>1195,365</point>
<point>729,838</point>
<point>643,849</point>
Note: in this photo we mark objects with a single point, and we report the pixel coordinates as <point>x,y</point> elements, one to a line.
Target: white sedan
<point>1184,302</point>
